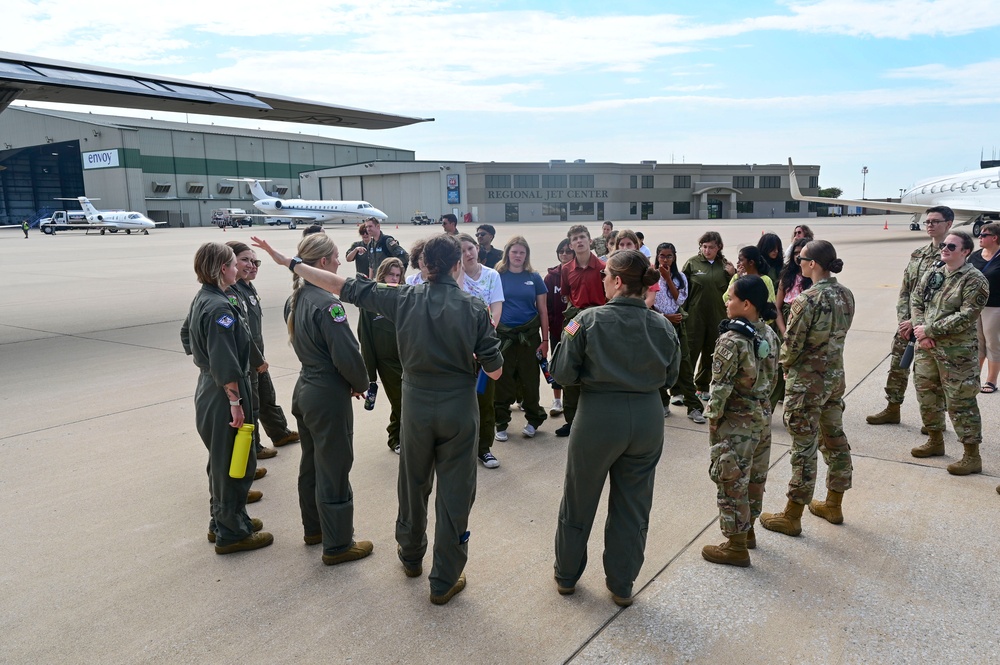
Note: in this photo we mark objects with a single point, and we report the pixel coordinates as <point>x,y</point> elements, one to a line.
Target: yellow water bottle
<point>241,451</point>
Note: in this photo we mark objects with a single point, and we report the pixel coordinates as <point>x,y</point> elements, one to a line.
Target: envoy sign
<point>100,159</point>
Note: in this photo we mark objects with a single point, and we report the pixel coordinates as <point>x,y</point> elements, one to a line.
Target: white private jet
<point>92,219</point>
<point>972,195</point>
<point>310,212</point>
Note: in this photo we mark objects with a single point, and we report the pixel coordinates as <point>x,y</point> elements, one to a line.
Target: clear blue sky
<point>907,88</point>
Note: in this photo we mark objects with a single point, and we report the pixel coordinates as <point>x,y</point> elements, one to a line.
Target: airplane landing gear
<point>977,226</point>
<point>145,232</point>
<point>128,232</point>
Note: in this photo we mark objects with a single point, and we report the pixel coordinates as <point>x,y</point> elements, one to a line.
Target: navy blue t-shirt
<point>520,290</point>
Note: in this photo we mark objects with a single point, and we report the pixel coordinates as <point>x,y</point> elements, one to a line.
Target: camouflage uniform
<point>813,358</point>
<point>740,431</point>
<point>921,262</point>
<point>947,304</point>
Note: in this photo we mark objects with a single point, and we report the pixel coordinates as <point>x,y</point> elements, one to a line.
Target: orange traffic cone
<point>886,227</point>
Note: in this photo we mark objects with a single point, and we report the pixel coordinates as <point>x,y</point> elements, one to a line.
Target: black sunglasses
<point>256,262</point>
<point>950,246</point>
<point>799,259</point>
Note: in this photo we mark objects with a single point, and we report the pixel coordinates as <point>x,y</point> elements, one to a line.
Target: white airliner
<point>90,218</point>
<point>310,212</point>
<point>972,195</point>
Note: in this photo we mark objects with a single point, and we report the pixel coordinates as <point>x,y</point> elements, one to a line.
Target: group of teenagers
<point>457,343</point>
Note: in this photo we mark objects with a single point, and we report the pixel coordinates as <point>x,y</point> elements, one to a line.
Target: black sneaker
<point>489,461</point>
<point>563,431</point>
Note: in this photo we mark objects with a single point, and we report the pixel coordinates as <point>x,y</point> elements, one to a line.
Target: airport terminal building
<point>178,173</point>
<point>568,192</point>
<point>173,172</point>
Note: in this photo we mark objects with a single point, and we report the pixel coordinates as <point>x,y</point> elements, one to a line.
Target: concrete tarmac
<point>105,505</point>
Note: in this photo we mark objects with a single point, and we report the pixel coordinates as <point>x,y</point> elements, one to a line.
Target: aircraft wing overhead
<point>41,80</point>
<point>880,205</point>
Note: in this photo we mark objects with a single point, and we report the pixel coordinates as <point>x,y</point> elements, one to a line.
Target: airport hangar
<point>178,173</point>
<point>173,172</point>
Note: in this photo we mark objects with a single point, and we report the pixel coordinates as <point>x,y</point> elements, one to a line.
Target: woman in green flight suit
<point>708,274</point>
<point>380,350</point>
<point>216,335</point>
<point>597,353</point>
<point>332,371</point>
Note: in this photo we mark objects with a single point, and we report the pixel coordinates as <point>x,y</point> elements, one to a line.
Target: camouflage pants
<point>895,384</point>
<point>949,377</point>
<point>739,459</point>
<point>812,427</point>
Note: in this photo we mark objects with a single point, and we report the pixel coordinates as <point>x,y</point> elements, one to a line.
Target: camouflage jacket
<point>948,303</point>
<point>741,382</point>
<point>813,350</point>
<point>922,260</point>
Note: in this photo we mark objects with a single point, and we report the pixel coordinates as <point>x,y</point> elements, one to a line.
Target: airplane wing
<point>297,218</point>
<point>960,206</point>
<point>41,80</point>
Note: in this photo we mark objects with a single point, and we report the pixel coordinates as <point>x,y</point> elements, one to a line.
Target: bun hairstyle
<point>209,260</point>
<point>753,289</point>
<point>311,249</point>
<point>750,254</point>
<point>824,253</point>
<point>440,255</point>
<point>633,268</point>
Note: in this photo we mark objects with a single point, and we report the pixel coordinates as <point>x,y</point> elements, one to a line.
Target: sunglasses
<point>569,250</point>
<point>256,262</point>
<point>987,235</point>
<point>481,234</point>
<point>950,246</point>
<point>928,222</point>
<point>799,259</point>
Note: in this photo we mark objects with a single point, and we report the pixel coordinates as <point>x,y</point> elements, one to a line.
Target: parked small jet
<point>972,195</point>
<point>309,212</point>
<point>90,218</point>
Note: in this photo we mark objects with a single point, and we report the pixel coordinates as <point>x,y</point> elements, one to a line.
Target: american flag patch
<point>572,328</point>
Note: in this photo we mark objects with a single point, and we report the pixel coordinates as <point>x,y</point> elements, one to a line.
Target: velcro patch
<point>572,328</point>
<point>233,301</point>
<point>725,352</point>
<point>226,321</point>
<point>338,313</point>
<point>253,301</point>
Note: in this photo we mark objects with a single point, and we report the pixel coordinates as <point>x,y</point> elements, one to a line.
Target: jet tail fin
<point>87,206</point>
<point>255,187</point>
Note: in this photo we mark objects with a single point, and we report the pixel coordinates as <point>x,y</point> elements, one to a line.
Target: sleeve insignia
<point>226,321</point>
<point>725,352</point>
<point>981,299</point>
<point>572,328</point>
<point>233,301</point>
<point>338,312</point>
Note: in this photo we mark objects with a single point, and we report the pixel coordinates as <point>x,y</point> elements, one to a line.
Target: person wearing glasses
<point>489,255</point>
<point>449,224</point>
<point>381,247</point>
<point>946,305</point>
<point>597,355</point>
<point>988,327</point>
<point>937,222</point>
<point>357,253</point>
<point>555,305</point>
<point>812,358</point>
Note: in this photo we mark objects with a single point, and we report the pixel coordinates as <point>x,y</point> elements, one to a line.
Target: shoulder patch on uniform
<point>233,301</point>
<point>981,299</point>
<point>725,352</point>
<point>572,328</point>
<point>338,312</point>
<point>226,321</point>
<point>797,306</point>
<point>253,300</point>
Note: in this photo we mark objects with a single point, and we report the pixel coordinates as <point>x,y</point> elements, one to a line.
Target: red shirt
<point>583,287</point>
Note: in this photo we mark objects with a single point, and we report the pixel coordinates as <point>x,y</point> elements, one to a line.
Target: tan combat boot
<point>970,462</point>
<point>751,539</point>
<point>887,416</point>
<point>829,509</point>
<point>788,521</point>
<point>733,552</point>
<point>934,447</point>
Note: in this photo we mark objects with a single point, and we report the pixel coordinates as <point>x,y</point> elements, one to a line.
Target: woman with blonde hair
<point>380,350</point>
<point>332,372</point>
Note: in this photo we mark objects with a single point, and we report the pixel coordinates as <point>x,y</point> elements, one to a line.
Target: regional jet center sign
<point>100,159</point>
<point>547,194</point>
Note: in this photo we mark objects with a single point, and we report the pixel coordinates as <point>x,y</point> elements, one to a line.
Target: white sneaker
<point>528,431</point>
<point>697,416</point>
<point>557,407</point>
<point>520,406</point>
<point>678,401</point>
<point>666,411</point>
<point>501,435</point>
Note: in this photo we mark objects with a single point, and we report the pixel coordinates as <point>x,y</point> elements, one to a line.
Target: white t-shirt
<point>487,288</point>
<point>415,279</point>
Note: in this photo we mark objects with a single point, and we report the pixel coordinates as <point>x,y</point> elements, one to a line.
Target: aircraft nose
<point>375,212</point>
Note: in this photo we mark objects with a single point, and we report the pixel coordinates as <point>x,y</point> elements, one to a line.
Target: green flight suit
<point>380,351</point>
<point>331,368</point>
<point>707,283</point>
<point>619,433</point>
<point>813,360</point>
<point>444,335</point>
<point>946,376</point>
<point>739,416</point>
<point>217,336</point>
<point>253,317</point>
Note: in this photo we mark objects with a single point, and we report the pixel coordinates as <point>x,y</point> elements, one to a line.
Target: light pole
<point>864,179</point>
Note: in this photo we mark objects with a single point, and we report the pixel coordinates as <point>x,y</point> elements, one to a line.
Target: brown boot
<point>923,430</point>
<point>970,462</point>
<point>359,550</point>
<point>733,552</point>
<point>788,521</point>
<point>829,509</point>
<point>751,539</point>
<point>934,447</point>
<point>887,416</point>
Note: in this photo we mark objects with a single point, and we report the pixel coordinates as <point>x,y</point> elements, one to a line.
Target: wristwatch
<point>236,403</point>
<point>294,262</point>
